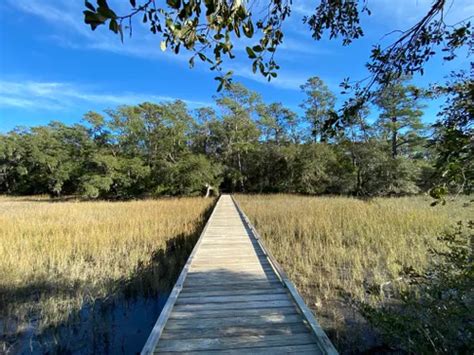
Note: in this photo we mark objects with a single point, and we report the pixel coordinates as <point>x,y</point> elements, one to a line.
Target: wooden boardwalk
<point>232,297</point>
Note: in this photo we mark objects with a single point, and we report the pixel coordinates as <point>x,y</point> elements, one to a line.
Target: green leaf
<point>211,7</point>
<point>175,4</point>
<point>221,80</point>
<point>102,3</point>
<point>113,26</point>
<point>90,6</point>
<point>93,19</point>
<point>248,28</point>
<point>251,53</point>
<point>106,12</point>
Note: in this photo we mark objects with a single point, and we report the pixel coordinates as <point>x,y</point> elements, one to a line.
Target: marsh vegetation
<point>60,261</point>
<point>344,252</point>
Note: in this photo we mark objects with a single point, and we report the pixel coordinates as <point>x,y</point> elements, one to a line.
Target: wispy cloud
<point>404,13</point>
<point>289,80</point>
<point>55,96</point>
<point>62,14</point>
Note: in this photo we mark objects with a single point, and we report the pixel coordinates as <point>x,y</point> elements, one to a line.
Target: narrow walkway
<point>230,298</point>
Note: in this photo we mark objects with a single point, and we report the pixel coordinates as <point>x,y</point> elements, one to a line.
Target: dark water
<point>118,327</point>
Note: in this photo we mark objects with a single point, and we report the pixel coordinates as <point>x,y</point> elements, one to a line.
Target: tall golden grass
<point>54,256</point>
<point>339,251</point>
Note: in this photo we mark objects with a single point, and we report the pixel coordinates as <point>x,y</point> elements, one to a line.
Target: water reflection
<point>118,327</point>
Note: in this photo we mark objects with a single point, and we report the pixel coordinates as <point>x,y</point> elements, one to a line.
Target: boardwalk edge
<point>157,330</point>
<point>323,341</point>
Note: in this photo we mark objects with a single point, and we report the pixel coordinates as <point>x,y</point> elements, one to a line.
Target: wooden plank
<point>289,349</point>
<point>233,287</point>
<point>204,323</point>
<point>222,280</point>
<point>230,267</point>
<point>230,247</point>
<point>234,342</point>
<point>225,292</point>
<point>236,331</point>
<point>228,256</point>
<point>256,283</point>
<point>259,312</point>
<point>220,274</point>
<point>234,305</point>
<point>233,298</point>
<point>228,259</point>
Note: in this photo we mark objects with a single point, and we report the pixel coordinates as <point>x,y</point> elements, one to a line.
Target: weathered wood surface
<point>232,297</point>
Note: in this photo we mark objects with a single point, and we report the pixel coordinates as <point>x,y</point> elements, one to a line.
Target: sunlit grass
<point>342,250</point>
<point>54,256</point>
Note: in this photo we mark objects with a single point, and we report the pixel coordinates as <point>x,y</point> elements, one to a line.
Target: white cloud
<point>60,96</point>
<point>403,13</point>
<point>61,13</point>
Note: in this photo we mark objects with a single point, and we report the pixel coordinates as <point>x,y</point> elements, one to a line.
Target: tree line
<point>240,144</point>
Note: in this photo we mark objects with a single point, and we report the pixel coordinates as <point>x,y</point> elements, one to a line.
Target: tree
<point>238,133</point>
<point>318,105</point>
<point>279,124</point>
<point>401,111</point>
<point>13,169</point>
<point>192,175</point>
<point>453,140</point>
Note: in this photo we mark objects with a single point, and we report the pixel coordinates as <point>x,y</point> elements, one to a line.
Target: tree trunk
<point>394,138</point>
<point>240,171</point>
<point>208,190</point>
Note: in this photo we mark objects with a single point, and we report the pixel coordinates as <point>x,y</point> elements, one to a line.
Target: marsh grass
<point>57,256</point>
<point>340,251</point>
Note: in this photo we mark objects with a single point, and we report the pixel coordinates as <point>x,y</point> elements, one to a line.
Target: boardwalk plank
<point>260,312</point>
<point>225,292</point>
<point>291,349</point>
<point>235,305</point>
<point>233,298</point>
<point>234,342</point>
<point>237,331</point>
<point>211,322</point>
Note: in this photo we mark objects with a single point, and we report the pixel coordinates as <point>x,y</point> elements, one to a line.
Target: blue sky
<point>52,67</point>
